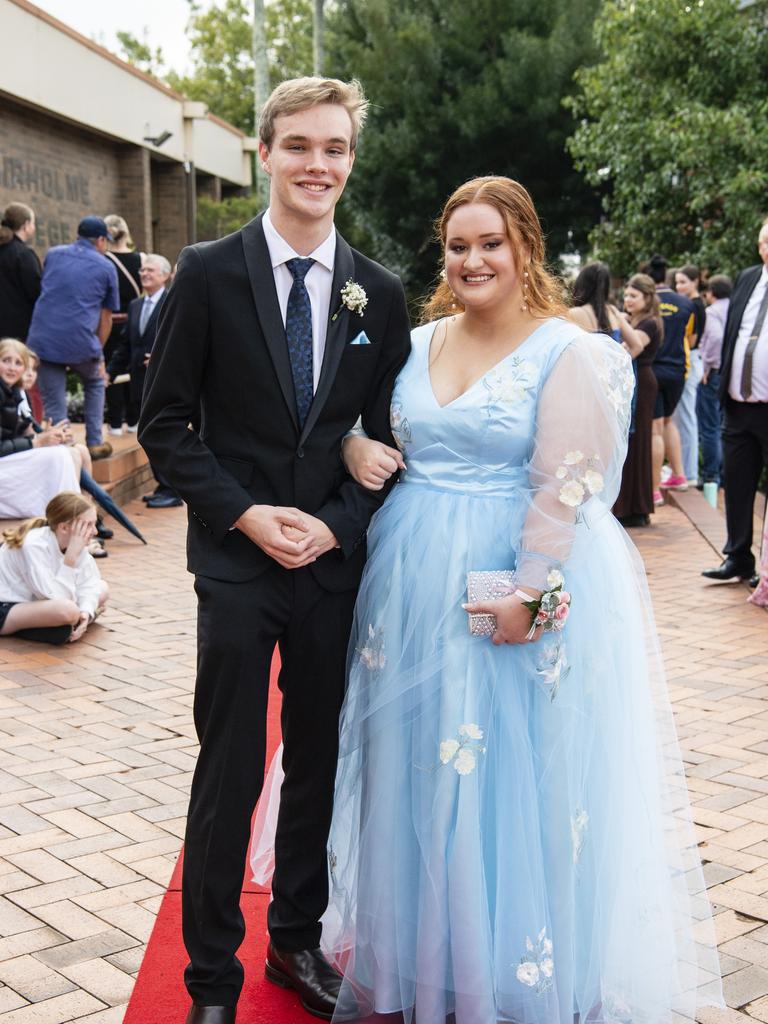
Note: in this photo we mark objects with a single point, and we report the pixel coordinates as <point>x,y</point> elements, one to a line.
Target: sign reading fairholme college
<point>30,181</point>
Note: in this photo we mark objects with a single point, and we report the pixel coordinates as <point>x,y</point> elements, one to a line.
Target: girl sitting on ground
<point>50,587</point>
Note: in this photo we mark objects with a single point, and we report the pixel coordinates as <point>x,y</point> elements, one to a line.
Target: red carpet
<point>159,996</point>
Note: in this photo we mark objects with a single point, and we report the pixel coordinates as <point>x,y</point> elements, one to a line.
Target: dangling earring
<point>524,306</point>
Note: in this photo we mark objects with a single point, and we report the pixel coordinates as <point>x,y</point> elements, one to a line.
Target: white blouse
<point>36,572</point>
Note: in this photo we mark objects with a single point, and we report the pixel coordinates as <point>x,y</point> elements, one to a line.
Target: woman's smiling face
<point>12,368</point>
<point>480,263</point>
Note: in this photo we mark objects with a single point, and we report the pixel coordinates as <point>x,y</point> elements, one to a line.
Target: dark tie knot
<point>299,268</point>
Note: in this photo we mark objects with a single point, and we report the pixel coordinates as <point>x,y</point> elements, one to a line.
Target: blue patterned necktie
<point>298,331</point>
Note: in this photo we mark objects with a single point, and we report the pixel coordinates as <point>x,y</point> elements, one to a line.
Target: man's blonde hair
<point>297,94</point>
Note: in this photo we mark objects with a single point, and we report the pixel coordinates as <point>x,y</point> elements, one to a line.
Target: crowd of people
<point>90,310</point>
<point>699,416</point>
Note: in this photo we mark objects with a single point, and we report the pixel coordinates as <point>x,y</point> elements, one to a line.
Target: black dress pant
<point>238,627</point>
<point>745,452</point>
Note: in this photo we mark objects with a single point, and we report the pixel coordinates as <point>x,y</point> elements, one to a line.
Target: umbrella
<point>89,484</point>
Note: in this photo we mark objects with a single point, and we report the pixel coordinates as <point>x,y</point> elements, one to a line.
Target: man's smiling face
<point>309,162</point>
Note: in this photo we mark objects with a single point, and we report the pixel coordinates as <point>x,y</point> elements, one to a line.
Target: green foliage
<point>458,90</point>
<point>221,41</point>
<point>140,54</point>
<point>674,129</point>
<point>215,219</point>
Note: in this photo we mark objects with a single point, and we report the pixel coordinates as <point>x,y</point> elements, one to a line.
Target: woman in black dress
<point>128,264</point>
<point>20,271</point>
<point>635,501</point>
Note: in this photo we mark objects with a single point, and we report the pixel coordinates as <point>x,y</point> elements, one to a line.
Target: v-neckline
<point>474,383</point>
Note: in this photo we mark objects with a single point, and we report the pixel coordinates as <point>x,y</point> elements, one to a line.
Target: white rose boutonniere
<point>353,297</point>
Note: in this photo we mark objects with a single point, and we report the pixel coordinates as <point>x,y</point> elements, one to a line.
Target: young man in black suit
<point>282,336</point>
<point>744,398</point>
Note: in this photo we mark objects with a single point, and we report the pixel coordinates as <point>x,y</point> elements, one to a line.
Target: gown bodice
<point>479,443</point>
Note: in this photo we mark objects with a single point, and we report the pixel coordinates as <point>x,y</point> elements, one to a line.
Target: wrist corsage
<point>551,610</point>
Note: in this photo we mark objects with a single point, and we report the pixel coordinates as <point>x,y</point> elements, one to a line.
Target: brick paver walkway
<point>96,751</point>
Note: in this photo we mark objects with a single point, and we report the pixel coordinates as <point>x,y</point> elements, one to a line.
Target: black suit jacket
<point>221,348</point>
<point>132,348</point>
<point>742,289</point>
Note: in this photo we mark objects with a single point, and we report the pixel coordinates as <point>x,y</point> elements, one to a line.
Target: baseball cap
<point>93,227</point>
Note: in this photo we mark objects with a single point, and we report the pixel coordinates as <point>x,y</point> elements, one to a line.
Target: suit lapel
<point>336,338</point>
<point>262,281</point>
<point>735,315</point>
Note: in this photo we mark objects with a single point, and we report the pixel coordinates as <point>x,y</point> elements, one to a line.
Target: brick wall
<point>169,208</point>
<point>135,195</point>
<point>61,171</point>
<point>64,172</point>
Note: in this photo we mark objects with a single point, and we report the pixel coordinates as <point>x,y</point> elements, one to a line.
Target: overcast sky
<point>164,21</point>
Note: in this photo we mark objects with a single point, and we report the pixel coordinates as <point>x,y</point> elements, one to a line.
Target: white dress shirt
<point>36,572</point>
<point>318,281</point>
<point>150,301</point>
<point>760,354</point>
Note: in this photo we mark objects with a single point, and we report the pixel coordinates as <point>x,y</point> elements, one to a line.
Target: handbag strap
<point>125,272</point>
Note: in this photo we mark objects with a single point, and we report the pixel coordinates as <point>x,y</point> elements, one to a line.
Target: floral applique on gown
<point>511,837</point>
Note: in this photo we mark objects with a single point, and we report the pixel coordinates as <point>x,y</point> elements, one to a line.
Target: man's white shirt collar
<point>280,251</point>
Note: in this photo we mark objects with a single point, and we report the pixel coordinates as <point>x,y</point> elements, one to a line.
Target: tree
<point>674,129</point>
<point>140,54</point>
<point>459,90</point>
<point>221,39</point>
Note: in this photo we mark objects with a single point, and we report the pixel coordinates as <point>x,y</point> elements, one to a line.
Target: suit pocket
<point>241,470</point>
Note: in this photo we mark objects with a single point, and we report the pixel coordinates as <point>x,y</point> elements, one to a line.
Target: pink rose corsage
<point>551,610</point>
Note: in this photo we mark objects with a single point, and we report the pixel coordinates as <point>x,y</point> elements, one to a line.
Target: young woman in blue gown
<point>511,838</point>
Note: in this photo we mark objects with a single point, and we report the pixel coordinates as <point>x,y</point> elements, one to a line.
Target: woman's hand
<point>370,462</point>
<point>51,436</point>
<point>80,627</point>
<point>513,619</point>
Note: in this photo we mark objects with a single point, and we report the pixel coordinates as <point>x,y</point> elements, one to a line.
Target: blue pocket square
<point>361,339</point>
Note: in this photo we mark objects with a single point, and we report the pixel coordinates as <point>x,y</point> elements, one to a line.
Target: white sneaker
<point>116,431</point>
<point>132,430</point>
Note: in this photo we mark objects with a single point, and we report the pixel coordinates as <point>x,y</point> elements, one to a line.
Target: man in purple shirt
<point>70,324</point>
<point>708,411</point>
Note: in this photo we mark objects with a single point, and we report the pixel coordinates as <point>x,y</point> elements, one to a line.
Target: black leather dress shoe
<point>729,570</point>
<point>103,532</point>
<point>211,1014</point>
<point>754,579</point>
<point>312,978</point>
<point>164,501</point>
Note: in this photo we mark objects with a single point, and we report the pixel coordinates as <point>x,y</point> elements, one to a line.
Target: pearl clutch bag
<point>487,586</point>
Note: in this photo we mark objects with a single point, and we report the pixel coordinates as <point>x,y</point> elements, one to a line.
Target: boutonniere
<point>353,297</point>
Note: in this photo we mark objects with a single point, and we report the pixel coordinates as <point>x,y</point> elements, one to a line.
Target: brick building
<point>83,132</point>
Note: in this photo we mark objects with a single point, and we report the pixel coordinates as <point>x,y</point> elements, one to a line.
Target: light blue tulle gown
<point>511,839</point>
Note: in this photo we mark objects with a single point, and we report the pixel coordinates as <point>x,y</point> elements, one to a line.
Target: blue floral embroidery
<point>510,383</point>
<point>401,428</point>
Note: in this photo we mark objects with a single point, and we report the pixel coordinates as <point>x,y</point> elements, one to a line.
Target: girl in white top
<point>50,587</point>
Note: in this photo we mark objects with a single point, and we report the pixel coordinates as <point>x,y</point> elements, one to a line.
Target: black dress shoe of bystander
<point>729,570</point>
<point>313,979</point>
<point>211,1014</point>
<point>164,501</point>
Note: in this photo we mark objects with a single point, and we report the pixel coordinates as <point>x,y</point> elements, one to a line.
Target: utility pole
<point>260,89</point>
<point>317,37</point>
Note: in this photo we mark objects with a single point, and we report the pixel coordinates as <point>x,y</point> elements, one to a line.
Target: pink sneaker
<point>675,483</point>
<point>658,498</point>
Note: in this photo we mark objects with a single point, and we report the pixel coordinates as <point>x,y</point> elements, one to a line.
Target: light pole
<point>260,90</point>
<point>317,37</point>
